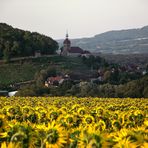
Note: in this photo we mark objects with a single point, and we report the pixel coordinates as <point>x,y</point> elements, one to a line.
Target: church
<point>68,50</point>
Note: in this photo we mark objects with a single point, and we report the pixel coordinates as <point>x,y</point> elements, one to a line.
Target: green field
<point>24,70</point>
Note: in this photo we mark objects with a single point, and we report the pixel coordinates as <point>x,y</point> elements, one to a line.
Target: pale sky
<point>82,18</point>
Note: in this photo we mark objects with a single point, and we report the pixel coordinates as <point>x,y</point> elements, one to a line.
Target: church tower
<point>66,45</point>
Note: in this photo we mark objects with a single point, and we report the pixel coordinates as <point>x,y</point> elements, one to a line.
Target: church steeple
<point>66,45</point>
<point>67,34</point>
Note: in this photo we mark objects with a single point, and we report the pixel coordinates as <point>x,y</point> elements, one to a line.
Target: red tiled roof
<point>76,50</point>
<point>51,79</point>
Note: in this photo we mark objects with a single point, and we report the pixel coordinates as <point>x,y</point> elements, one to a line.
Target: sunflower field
<point>70,122</point>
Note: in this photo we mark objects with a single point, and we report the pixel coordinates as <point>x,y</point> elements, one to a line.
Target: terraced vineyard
<point>54,122</point>
<point>24,70</point>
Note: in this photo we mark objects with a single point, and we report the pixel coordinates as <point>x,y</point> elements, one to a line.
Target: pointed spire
<point>66,33</point>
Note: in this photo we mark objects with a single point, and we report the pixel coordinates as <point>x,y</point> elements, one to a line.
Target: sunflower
<point>75,107</point>
<point>99,110</point>
<point>146,123</point>
<point>125,143</point>
<point>55,136</point>
<point>145,145</point>
<point>3,122</point>
<point>10,145</point>
<point>26,109</point>
<point>3,134</point>
<point>116,125</point>
<point>90,138</point>
<point>62,110</point>
<point>122,117</point>
<point>81,111</point>
<point>69,119</point>
<point>88,119</point>
<point>139,135</point>
<point>120,135</point>
<point>53,115</point>
<point>101,126</point>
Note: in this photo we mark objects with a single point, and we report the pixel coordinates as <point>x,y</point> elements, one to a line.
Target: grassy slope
<point>24,71</point>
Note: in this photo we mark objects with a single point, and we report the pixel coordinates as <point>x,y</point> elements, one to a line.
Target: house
<point>57,80</point>
<point>75,51</point>
<point>37,53</point>
<point>68,50</point>
<point>54,81</point>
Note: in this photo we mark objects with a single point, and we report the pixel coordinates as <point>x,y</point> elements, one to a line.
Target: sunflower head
<point>89,139</point>
<point>53,115</point>
<point>116,125</point>
<point>69,119</point>
<point>25,109</point>
<point>88,119</point>
<point>56,136</point>
<point>81,111</point>
<point>100,126</point>
<point>99,110</point>
<point>17,109</point>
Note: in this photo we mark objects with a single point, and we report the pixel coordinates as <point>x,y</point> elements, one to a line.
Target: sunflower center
<point>54,115</point>
<point>82,112</point>
<point>88,120</point>
<point>69,119</point>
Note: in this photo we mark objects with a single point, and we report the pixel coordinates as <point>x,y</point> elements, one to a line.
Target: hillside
<point>17,43</point>
<point>122,41</point>
<point>24,70</point>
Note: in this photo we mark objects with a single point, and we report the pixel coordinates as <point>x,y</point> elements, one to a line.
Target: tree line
<point>134,89</point>
<point>19,43</point>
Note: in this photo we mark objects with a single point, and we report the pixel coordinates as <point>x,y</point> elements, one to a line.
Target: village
<point>99,75</point>
<point>102,68</point>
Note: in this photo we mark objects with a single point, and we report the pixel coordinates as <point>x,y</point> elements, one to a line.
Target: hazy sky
<point>82,18</point>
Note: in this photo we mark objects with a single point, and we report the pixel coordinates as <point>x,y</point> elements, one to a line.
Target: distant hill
<point>116,42</point>
<point>16,43</point>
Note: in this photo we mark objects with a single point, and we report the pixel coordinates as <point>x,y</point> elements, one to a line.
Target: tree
<point>88,89</point>
<point>107,75</point>
<point>65,86</point>
<point>7,52</point>
<point>15,48</point>
<point>17,42</point>
<point>1,51</point>
<point>27,91</point>
<point>145,92</point>
<point>74,91</point>
<point>107,90</point>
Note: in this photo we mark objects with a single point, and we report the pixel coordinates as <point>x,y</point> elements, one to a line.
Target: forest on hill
<point>18,43</point>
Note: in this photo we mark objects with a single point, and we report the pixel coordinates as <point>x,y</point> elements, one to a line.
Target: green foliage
<point>41,76</point>
<point>18,43</point>
<point>94,62</point>
<point>133,89</point>
<point>66,85</point>
<point>25,70</point>
<point>33,90</point>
